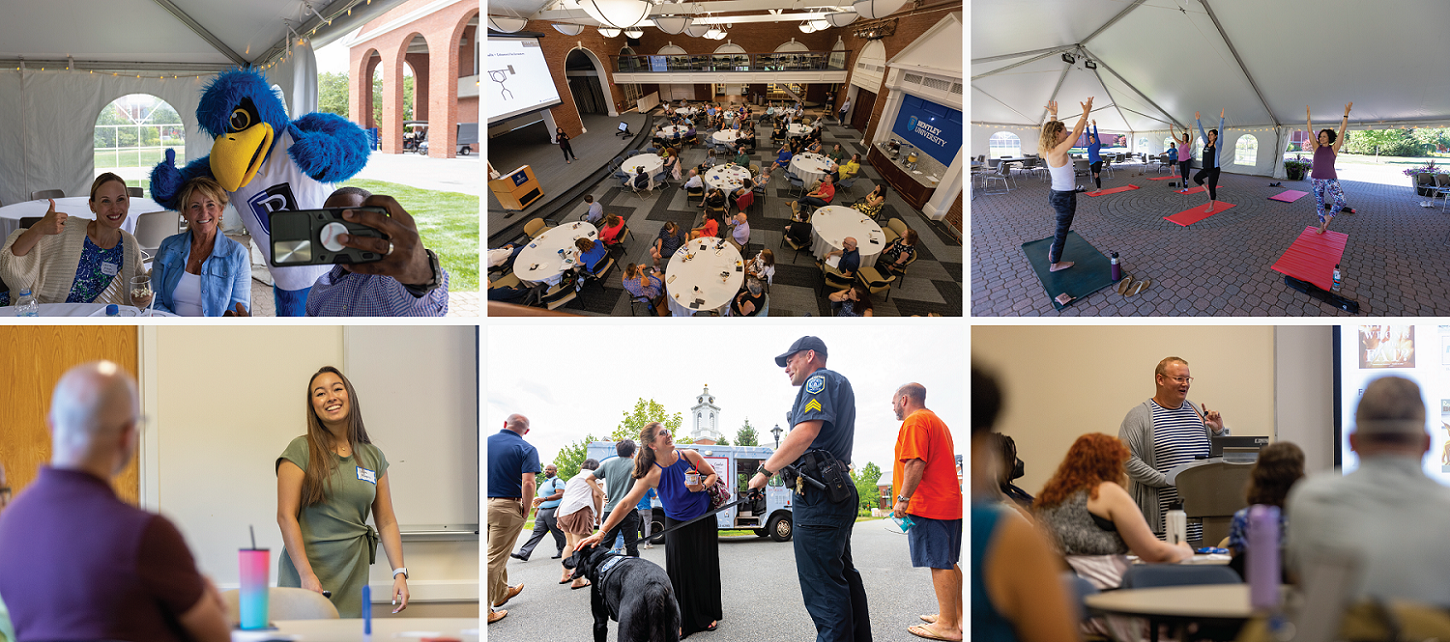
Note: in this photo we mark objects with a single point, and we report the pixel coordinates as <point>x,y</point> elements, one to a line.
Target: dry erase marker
<point>367,603</point>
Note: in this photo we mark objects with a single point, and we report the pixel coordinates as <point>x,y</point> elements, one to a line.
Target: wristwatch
<point>762,471</point>
<point>903,499</point>
<point>401,569</point>
<point>420,289</point>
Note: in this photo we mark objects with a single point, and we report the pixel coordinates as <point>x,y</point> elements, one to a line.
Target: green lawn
<point>448,223</point>
<point>1405,161</point>
<point>111,159</point>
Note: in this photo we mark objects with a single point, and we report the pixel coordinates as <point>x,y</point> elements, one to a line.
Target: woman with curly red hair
<point>1094,519</point>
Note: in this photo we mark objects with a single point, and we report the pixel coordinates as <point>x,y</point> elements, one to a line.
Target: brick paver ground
<point>1394,264</point>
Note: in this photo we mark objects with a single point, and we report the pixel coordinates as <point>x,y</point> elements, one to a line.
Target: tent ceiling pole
<point>1034,52</point>
<point>1003,103</point>
<point>1153,118</point>
<point>215,42</point>
<point>1109,92</point>
<point>1240,61</point>
<point>1123,80</point>
<point>1019,64</point>
<point>1121,14</point>
<point>1053,97</point>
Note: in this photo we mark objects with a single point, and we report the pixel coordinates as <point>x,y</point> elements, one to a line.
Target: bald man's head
<point>517,423</point>
<point>93,404</point>
<point>908,399</point>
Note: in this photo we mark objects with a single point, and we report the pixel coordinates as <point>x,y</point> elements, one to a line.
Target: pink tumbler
<point>252,599</point>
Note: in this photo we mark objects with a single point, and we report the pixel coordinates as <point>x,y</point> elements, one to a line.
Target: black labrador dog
<point>634,592</point>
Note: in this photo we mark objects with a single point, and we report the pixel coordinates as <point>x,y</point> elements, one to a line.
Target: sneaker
<point>648,545</point>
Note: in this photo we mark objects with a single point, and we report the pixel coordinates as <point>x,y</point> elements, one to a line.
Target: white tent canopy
<point>1159,61</point>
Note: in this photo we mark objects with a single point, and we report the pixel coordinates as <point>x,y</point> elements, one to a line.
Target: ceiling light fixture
<point>608,32</point>
<point>672,25</point>
<point>871,9</point>
<point>568,29</point>
<point>634,32</point>
<point>820,24</point>
<point>619,14</point>
<point>842,19</point>
<point>1089,64</point>
<point>806,27</point>
<point>504,24</point>
<point>1068,58</point>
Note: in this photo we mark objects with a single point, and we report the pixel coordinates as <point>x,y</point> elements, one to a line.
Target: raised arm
<point>1343,125</point>
<point>1066,145</point>
<point>1309,127</point>
<point>1201,134</point>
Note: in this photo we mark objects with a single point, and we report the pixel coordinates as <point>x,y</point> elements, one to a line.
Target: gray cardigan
<point>1144,480</point>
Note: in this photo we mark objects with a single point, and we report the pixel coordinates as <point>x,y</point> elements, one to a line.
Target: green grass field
<point>448,223</point>
<point>111,159</point>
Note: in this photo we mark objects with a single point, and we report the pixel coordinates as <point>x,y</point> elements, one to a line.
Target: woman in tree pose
<point>1055,143</point>
<point>1326,149</point>
<point>1095,158</point>
<point>1210,159</point>
<point>1184,157</point>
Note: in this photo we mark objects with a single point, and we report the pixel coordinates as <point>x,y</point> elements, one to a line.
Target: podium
<point>518,189</point>
<point>1212,490</point>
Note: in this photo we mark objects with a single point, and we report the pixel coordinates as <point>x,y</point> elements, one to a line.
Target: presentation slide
<point>1419,352</point>
<point>520,79</point>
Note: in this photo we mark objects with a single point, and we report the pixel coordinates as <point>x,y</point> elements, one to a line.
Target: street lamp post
<point>776,431</point>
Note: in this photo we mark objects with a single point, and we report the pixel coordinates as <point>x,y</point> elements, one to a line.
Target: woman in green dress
<point>327,481</point>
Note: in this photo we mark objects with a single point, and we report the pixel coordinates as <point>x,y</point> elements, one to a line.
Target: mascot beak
<point>237,156</point>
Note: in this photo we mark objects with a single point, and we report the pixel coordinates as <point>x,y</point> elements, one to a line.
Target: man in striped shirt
<point>1163,432</point>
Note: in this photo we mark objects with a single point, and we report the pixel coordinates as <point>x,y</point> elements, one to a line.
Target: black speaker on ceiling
<point>633,42</point>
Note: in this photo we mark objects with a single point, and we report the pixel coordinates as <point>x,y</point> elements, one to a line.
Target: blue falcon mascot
<point>267,163</point>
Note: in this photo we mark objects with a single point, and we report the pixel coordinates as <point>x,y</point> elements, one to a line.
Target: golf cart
<point>467,137</point>
<point>414,133</point>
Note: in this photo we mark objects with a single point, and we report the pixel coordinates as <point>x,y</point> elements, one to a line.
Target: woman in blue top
<point>590,253</point>
<point>1210,159</point>
<point>1095,158</point>
<point>692,554</point>
<point>201,272</point>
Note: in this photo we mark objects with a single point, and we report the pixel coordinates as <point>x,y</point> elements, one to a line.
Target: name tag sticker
<point>110,269</point>
<point>366,475</point>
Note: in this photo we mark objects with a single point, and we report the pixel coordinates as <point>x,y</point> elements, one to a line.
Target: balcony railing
<point>774,61</point>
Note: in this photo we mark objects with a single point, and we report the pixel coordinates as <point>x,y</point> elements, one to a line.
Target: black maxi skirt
<point>692,560</point>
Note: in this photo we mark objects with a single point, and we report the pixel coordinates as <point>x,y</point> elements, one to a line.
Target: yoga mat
<point>1196,190</point>
<point>1163,178</point>
<point>1090,272</point>
<point>1113,190</point>
<point>1312,257</point>
<point>1195,214</point>
<point>1289,195</point>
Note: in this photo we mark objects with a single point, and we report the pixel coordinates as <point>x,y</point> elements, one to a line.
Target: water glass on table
<point>141,289</point>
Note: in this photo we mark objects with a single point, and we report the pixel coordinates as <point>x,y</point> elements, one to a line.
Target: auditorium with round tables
<point>725,158</point>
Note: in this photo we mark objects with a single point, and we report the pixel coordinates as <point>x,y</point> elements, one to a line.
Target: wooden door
<point>32,361</point>
<point>861,116</point>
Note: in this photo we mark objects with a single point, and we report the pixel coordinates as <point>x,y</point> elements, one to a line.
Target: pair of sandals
<point>1130,286</point>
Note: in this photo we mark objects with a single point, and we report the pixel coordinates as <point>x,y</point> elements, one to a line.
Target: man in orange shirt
<point>924,479</point>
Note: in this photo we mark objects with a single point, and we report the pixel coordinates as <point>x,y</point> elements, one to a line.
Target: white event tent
<point>1158,61</point>
<point>63,61</point>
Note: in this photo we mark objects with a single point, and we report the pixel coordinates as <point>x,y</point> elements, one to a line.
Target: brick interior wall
<point>556,48</point>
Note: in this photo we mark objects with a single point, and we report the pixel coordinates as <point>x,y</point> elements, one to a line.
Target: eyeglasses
<point>1187,380</point>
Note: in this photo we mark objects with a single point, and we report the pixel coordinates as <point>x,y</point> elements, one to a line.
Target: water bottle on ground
<point>1117,268</point>
<point>1337,280</point>
<point>1263,561</point>
<point>27,305</point>
<point>1176,524</point>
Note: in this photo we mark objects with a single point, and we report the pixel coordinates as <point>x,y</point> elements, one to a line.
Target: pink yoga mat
<point>1113,190</point>
<point>1196,190</point>
<point>1289,195</point>
<point>1312,257</point>
<point>1195,214</point>
<point>1163,178</point>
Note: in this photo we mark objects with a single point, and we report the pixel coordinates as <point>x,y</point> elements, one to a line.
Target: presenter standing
<point>1163,432</point>
<point>327,481</point>
<point>564,145</point>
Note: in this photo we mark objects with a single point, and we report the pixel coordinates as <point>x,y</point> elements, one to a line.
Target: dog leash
<point>748,497</point>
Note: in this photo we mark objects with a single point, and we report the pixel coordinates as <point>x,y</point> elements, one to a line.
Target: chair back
<point>42,194</point>
<point>135,192</point>
<point>534,227</point>
<point>1157,575</point>
<point>154,227</point>
<point>898,226</point>
<point>745,201</point>
<point>285,603</point>
<point>1078,588</point>
<point>27,221</point>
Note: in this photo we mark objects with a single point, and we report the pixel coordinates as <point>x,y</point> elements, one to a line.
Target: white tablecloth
<point>798,130</point>
<point>726,177</point>
<point>830,225</point>
<point>686,111</point>
<point>540,262</point>
<point>669,131</point>
<point>79,310</point>
<point>77,206</point>
<point>650,162</point>
<point>726,137</point>
<point>712,256</point>
<point>810,167</point>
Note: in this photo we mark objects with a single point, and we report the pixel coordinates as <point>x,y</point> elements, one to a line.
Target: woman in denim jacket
<point>201,272</point>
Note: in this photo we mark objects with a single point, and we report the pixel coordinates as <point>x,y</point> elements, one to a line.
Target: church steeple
<point>706,417</point>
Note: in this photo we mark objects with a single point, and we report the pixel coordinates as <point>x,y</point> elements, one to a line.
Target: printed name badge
<point>366,475</point>
<point>110,269</point>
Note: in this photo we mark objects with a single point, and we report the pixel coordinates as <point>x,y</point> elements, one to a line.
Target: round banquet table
<point>539,262</point>
<point>726,136</point>
<point>384,628</point>
<point>83,310</point>
<point>798,129</point>
<point>686,111</point>
<point>669,131</point>
<point>77,206</point>
<point>1216,602</point>
<point>830,226</point>
<point>650,162</point>
<point>726,177</point>
<point>712,256</point>
<point>811,168</point>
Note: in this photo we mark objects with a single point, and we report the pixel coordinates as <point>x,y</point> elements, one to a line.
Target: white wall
<point>1304,383</point>
<point>1265,163</point>
<point>224,403</point>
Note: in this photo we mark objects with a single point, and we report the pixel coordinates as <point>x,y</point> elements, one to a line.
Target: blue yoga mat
<point>1090,272</point>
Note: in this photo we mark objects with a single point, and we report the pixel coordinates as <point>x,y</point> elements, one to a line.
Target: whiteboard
<point>419,396</point>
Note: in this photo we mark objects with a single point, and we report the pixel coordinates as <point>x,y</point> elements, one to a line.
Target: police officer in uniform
<point>817,450</point>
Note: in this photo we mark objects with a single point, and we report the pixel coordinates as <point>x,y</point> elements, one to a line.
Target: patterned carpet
<point>932,285</point>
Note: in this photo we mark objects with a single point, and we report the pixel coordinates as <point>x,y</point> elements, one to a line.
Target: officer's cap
<point>803,343</point>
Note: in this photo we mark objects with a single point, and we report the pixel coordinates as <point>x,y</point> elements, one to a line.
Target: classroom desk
<point>1223,604</point>
<point>350,630</point>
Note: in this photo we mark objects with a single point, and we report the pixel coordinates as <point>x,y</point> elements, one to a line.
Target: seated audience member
<point>762,266</point>
<point>642,284</point>
<point>670,238</point>
<point>613,229</point>
<point>741,158</point>
<point>819,197</point>
<point>80,261</point>
<point>710,228</point>
<point>851,167</point>
<point>715,199</point>
<point>782,158</point>
<point>503,257</point>
<point>837,155</point>
<point>1094,519</point>
<point>800,229</point>
<point>507,294</point>
<point>710,160</point>
<point>590,253</point>
<point>641,179</point>
<point>746,186</point>
<point>407,282</point>
<point>672,164</point>
<point>813,146</point>
<point>1017,593</point>
<point>896,255</point>
<point>1011,469</point>
<point>694,183</point>
<point>77,562</point>
<point>854,301</point>
<point>596,210</point>
<point>740,229</point>
<point>201,272</point>
<point>850,257</point>
<point>750,299</point>
<point>1388,512</point>
<point>1278,467</point>
<point>870,205</point>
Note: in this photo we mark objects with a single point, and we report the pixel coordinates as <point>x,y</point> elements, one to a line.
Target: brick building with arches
<point>437,40</point>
